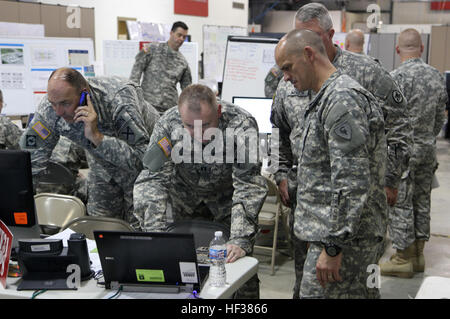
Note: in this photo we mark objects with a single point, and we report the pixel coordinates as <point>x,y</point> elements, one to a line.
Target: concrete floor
<point>437,250</point>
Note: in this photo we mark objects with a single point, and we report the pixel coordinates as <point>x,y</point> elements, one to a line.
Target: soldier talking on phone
<point>110,120</point>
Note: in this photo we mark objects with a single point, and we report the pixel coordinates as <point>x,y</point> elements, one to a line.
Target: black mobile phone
<point>83,98</point>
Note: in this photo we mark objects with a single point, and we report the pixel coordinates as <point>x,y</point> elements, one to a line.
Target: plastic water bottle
<point>217,256</point>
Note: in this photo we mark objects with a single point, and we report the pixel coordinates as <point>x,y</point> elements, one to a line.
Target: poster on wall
<point>191,7</point>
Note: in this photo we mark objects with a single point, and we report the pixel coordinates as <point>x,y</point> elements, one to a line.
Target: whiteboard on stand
<point>247,62</point>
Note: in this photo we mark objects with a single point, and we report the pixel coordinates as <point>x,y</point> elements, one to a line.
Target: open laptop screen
<point>259,108</point>
<point>145,258</point>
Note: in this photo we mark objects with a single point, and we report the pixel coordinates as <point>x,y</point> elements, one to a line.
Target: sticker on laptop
<point>150,275</point>
<point>41,130</point>
<point>188,273</point>
<point>21,218</point>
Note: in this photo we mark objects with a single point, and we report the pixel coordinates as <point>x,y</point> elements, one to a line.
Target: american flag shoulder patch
<point>41,130</point>
<point>165,146</point>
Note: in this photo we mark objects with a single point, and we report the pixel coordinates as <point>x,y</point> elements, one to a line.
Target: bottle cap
<point>218,234</point>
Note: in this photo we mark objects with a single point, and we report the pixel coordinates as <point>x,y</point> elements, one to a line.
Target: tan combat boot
<point>400,264</point>
<point>419,261</point>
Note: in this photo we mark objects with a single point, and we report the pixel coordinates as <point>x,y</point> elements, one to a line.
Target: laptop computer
<point>149,262</point>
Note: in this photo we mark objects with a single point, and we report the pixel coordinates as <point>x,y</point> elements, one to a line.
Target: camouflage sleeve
<point>140,64</point>
<point>186,78</point>
<point>250,191</point>
<point>347,132</point>
<point>399,132</point>
<point>150,193</point>
<point>126,150</point>
<point>40,138</point>
<point>9,133</point>
<point>279,121</point>
<point>440,110</point>
<point>271,81</point>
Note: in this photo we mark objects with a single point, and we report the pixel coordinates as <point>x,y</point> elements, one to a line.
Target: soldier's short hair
<point>1,96</point>
<point>409,40</point>
<point>179,24</point>
<point>297,40</point>
<point>315,11</point>
<point>71,76</point>
<point>196,93</point>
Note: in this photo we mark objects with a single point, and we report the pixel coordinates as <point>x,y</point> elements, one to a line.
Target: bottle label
<point>217,254</point>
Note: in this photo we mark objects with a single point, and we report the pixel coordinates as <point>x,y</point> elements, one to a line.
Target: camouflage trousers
<point>409,219</point>
<point>215,206</point>
<point>107,198</point>
<point>354,272</point>
<point>299,246</point>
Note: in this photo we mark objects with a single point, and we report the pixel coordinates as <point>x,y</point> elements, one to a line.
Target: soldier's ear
<point>219,110</point>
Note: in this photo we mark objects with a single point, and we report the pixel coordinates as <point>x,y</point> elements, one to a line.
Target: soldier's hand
<point>284,192</point>
<point>327,268</point>
<point>88,116</point>
<point>391,195</point>
<point>234,253</point>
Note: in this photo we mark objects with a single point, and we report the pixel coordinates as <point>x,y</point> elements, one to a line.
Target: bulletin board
<point>214,46</point>
<point>26,64</point>
<point>119,57</point>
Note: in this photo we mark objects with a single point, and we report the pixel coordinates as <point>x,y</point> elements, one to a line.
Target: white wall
<point>156,11</point>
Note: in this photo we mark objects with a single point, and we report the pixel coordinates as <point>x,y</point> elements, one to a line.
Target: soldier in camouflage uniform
<point>163,66</point>
<point>409,221</point>
<point>341,201</point>
<point>113,127</point>
<point>271,81</point>
<point>232,190</point>
<point>290,104</point>
<point>9,132</point>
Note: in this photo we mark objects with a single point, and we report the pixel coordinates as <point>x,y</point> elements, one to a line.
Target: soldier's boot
<point>400,264</point>
<point>419,261</point>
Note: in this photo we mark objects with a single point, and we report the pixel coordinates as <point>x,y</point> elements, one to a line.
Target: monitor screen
<point>16,189</point>
<point>260,108</point>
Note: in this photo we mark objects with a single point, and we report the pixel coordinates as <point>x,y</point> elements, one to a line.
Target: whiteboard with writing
<point>247,62</point>
<point>26,64</point>
<point>119,57</point>
<point>214,46</point>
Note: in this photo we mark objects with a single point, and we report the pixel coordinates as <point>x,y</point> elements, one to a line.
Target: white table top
<point>434,287</point>
<point>237,274</point>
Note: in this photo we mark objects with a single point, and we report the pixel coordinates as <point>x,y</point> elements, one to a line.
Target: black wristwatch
<point>332,250</point>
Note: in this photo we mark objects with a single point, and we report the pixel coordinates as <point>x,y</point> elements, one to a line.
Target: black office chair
<point>57,174</point>
<point>203,230</point>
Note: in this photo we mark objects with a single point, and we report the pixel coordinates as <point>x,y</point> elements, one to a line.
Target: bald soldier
<point>342,160</point>
<point>110,120</point>
<point>290,104</point>
<point>409,220</point>
<point>354,41</point>
<point>200,177</point>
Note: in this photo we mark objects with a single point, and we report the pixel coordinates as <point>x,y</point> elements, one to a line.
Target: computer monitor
<point>260,108</point>
<point>17,208</point>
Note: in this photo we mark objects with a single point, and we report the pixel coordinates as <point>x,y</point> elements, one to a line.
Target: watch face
<point>331,251</point>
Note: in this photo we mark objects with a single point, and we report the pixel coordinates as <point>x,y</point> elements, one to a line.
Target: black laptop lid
<point>16,189</point>
<point>145,258</point>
